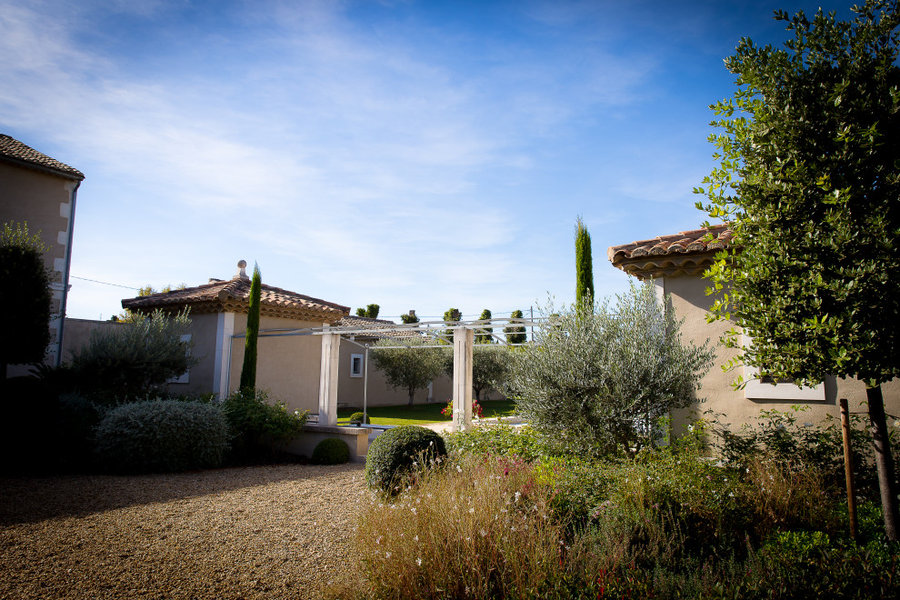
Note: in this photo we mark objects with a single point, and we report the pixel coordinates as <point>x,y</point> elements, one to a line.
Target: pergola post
<point>463,342</point>
<point>328,379</point>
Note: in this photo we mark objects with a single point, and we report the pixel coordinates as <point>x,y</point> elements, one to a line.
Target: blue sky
<point>419,155</point>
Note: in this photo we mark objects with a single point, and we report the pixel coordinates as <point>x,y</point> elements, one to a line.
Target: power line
<point>128,287</point>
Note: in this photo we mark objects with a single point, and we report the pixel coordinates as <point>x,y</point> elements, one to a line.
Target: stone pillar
<point>328,379</point>
<point>463,342</point>
<point>222,366</point>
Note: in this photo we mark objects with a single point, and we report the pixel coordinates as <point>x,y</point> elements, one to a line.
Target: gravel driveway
<point>257,532</point>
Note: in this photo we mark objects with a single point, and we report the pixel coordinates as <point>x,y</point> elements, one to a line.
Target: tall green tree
<point>515,334</point>
<point>411,367</point>
<point>584,270</point>
<point>808,178</point>
<point>248,371</point>
<point>24,297</point>
<point>485,335</point>
<point>370,311</point>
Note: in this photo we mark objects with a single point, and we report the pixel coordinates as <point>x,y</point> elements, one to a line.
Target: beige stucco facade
<point>718,396</point>
<point>45,201</point>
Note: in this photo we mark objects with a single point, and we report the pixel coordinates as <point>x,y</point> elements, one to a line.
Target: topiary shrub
<point>359,417</point>
<point>331,451</point>
<point>162,436</point>
<point>394,453</point>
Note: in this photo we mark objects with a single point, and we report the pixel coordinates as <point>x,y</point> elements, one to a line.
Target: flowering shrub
<point>477,411</point>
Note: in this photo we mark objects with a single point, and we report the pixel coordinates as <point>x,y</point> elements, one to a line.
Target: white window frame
<point>353,358</point>
<point>754,389</point>
<point>186,376</point>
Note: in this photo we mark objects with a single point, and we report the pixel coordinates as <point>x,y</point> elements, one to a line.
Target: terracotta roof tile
<point>680,253</point>
<point>375,326</point>
<point>15,151</point>
<point>234,296</point>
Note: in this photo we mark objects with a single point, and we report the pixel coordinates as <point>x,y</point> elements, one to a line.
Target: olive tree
<point>598,378</point>
<point>407,364</point>
<point>808,181</point>
<point>133,359</point>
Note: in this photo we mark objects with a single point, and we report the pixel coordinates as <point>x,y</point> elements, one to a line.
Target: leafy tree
<point>515,334</point>
<point>490,367</point>
<point>409,318</point>
<point>451,315</point>
<point>24,297</point>
<point>410,368</point>
<point>370,311</point>
<point>484,335</point>
<point>601,377</point>
<point>248,370</point>
<point>808,179</point>
<point>584,270</point>
<point>134,359</point>
<point>147,290</point>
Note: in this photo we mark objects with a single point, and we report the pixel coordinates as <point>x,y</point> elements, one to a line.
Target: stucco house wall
<point>676,263</point>
<point>41,191</point>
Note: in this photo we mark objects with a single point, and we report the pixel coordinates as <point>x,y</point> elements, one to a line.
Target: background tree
<point>451,315</point>
<point>248,370</point>
<point>409,368</point>
<point>599,379</point>
<point>147,290</point>
<point>584,270</point>
<point>484,335</point>
<point>808,179</point>
<point>370,311</point>
<point>515,334</point>
<point>409,318</point>
<point>24,297</point>
<point>490,367</point>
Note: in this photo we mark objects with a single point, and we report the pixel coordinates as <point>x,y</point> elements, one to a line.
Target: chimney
<point>242,270</point>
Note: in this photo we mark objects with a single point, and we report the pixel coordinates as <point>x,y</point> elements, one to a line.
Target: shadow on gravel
<point>32,499</point>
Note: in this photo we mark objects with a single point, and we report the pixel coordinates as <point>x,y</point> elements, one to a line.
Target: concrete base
<point>357,439</point>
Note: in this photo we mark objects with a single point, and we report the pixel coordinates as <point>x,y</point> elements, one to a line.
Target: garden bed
<point>256,532</point>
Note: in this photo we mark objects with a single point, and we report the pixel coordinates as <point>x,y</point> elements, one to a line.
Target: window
<point>768,388</point>
<point>356,365</point>
<point>186,376</point>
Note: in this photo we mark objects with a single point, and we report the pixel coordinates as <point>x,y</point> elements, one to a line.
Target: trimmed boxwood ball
<point>162,436</point>
<point>392,454</point>
<point>359,417</point>
<point>331,451</point>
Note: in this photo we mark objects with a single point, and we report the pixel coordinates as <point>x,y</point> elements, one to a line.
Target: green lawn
<point>423,413</point>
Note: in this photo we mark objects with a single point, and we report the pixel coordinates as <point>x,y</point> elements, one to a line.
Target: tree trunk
<point>412,393</point>
<point>883,461</point>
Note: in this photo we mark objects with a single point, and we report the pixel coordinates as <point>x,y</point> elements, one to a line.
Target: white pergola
<point>439,332</point>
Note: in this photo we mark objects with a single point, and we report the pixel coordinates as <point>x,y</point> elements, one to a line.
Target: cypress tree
<point>248,371</point>
<point>584,270</point>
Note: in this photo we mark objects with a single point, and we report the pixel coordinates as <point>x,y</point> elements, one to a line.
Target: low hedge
<point>162,436</point>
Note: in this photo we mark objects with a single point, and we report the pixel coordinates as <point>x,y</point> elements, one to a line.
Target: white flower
<point>387,554</point>
<point>472,511</point>
<point>416,539</point>
<point>419,562</point>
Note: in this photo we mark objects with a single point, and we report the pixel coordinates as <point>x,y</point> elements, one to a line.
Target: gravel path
<point>258,532</point>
